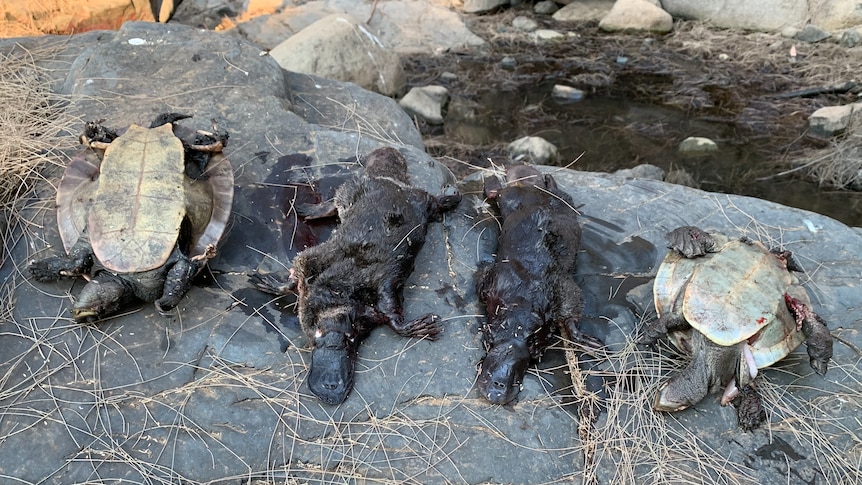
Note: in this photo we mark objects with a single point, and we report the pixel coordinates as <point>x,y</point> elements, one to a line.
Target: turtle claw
<point>52,269</point>
<point>690,241</point>
<point>97,136</point>
<point>45,270</point>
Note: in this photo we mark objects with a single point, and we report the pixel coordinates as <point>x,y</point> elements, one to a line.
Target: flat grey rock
<point>215,392</point>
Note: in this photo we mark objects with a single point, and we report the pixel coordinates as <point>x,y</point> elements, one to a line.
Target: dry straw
<point>34,130</point>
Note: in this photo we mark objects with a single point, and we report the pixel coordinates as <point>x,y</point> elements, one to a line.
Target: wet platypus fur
<point>353,281</point>
<point>530,289</point>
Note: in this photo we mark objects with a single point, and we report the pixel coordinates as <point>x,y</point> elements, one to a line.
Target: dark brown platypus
<point>353,281</point>
<point>530,287</point>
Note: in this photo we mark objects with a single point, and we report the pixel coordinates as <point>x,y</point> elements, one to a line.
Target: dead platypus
<point>530,287</point>
<point>353,281</point>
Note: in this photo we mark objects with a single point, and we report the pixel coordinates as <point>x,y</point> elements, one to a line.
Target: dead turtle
<point>735,307</point>
<point>149,205</point>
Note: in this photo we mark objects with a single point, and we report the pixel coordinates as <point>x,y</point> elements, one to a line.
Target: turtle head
<point>687,387</point>
<point>712,367</point>
<point>502,371</point>
<point>330,375</point>
<point>103,295</point>
<point>679,393</point>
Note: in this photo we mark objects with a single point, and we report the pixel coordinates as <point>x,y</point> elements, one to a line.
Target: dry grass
<point>35,130</point>
<point>840,164</point>
<point>633,444</point>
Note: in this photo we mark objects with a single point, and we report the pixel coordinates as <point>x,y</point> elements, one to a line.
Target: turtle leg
<point>200,151</point>
<point>179,279</point>
<point>749,408</point>
<point>661,326</point>
<point>210,141</point>
<point>77,263</point>
<point>819,340</point>
<point>177,284</point>
<point>166,118</point>
<point>97,136</point>
<point>690,241</point>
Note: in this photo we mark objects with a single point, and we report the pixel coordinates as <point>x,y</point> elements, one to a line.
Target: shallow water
<point>608,132</point>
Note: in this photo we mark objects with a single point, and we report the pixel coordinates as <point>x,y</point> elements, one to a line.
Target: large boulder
<point>829,121</point>
<point>636,16</point>
<point>215,392</point>
<point>340,48</point>
<point>407,26</point>
<point>584,10</point>
<point>483,6</point>
<point>766,15</point>
<point>835,14</point>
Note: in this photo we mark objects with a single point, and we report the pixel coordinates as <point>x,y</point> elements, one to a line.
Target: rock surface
<point>636,16</point>
<point>524,23</point>
<point>584,10</point>
<point>340,48</point>
<point>533,149</point>
<point>545,7</point>
<point>696,145</point>
<point>835,14</point>
<point>811,33</point>
<point>405,26</point>
<point>642,171</point>
<point>831,120</point>
<point>766,15</point>
<point>215,392</point>
<point>426,103</point>
<point>482,6</point>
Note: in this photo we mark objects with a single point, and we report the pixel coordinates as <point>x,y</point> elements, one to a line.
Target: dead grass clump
<point>34,128</point>
<point>839,165</point>
<point>631,443</point>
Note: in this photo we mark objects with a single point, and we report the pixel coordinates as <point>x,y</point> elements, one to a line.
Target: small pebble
<point>567,94</point>
<point>508,62</point>
<point>524,24</point>
<point>545,7</point>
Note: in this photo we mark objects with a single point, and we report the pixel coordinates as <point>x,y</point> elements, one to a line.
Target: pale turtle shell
<point>735,292</point>
<point>133,200</point>
<point>733,295</point>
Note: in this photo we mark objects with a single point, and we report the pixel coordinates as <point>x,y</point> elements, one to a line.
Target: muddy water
<point>605,133</point>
